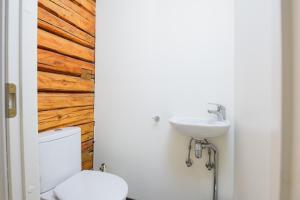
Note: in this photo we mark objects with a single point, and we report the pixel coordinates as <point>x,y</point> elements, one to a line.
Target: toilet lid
<point>48,196</point>
<point>92,185</point>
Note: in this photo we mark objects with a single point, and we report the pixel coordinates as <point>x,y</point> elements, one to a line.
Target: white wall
<point>162,57</point>
<point>257,99</point>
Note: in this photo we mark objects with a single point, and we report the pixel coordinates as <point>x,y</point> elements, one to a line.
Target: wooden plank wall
<point>66,68</point>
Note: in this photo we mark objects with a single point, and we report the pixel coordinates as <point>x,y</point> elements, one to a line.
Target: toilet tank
<point>60,156</point>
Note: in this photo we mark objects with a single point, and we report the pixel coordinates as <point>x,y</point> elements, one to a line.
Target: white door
<point>19,132</point>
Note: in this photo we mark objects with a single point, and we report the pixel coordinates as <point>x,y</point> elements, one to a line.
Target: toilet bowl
<point>61,175</point>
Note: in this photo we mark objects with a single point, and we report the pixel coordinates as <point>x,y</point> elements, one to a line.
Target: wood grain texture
<point>85,146</point>
<point>87,136</point>
<point>88,148</point>
<point>60,9</point>
<point>86,128</point>
<point>53,62</point>
<point>62,83</point>
<point>87,156</point>
<point>66,69</point>
<point>89,5</point>
<point>56,25</point>
<point>50,41</point>
<point>88,165</point>
<point>75,7</point>
<point>53,118</point>
<point>52,101</point>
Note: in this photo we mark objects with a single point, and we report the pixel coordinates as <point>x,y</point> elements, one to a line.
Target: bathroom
<point>144,100</point>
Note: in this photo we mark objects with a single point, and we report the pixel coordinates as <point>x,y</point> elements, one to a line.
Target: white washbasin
<point>197,128</point>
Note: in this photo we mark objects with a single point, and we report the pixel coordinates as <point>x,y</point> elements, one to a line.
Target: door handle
<point>11,100</point>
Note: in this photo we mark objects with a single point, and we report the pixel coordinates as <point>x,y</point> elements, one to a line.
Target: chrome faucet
<point>220,112</point>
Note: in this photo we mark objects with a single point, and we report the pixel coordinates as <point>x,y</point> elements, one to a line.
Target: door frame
<point>28,97</point>
<point>21,69</point>
<point>3,160</point>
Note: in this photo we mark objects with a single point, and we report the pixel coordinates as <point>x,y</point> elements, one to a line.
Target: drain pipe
<point>199,146</point>
<point>215,150</point>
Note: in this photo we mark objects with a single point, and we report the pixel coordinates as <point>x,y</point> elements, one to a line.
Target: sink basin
<point>197,128</point>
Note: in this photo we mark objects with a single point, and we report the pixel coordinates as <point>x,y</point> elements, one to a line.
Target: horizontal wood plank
<point>75,7</point>
<point>60,9</point>
<point>66,68</point>
<point>54,118</point>
<point>51,101</point>
<point>88,148</point>
<point>87,156</point>
<point>50,41</point>
<point>57,82</point>
<point>87,136</point>
<point>86,128</point>
<point>54,62</point>
<point>85,146</point>
<point>88,165</point>
<point>56,25</point>
<point>89,5</point>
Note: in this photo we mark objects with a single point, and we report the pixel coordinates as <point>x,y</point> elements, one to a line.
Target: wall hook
<point>156,118</point>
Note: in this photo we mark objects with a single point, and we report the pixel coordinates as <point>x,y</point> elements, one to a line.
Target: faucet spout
<point>220,112</point>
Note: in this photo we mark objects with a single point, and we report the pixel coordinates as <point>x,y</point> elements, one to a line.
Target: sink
<point>198,128</point>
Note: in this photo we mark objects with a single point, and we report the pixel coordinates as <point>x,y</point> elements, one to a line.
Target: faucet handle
<point>219,106</point>
<point>220,112</point>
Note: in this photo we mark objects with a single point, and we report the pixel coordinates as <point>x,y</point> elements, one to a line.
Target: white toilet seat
<point>91,185</point>
<point>48,195</point>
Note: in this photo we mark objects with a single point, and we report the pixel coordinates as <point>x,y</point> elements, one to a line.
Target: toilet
<point>61,177</point>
